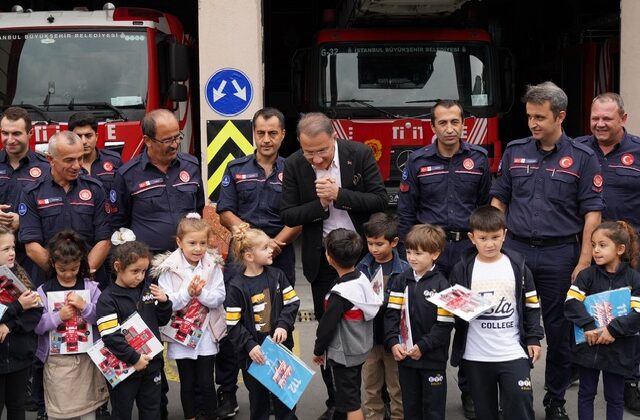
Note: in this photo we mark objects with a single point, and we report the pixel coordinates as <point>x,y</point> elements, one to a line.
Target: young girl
<point>260,303</point>
<point>132,292</point>
<point>17,339</point>
<point>73,386</point>
<point>610,349</point>
<point>192,277</point>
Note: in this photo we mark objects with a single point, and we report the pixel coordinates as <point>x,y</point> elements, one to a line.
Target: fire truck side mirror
<point>178,62</point>
<point>507,79</point>
<point>177,92</point>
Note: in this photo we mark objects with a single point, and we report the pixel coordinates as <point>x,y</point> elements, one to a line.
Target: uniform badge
<point>107,166</point>
<point>85,195</point>
<point>404,187</point>
<point>226,181</point>
<point>184,176</point>
<point>627,159</point>
<point>113,196</point>
<point>468,164</point>
<point>597,181</point>
<point>566,162</point>
<point>280,176</point>
<point>22,209</point>
<point>405,174</point>
<point>35,172</point>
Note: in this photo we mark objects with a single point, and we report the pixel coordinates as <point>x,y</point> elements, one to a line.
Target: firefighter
<point>552,189</point>
<point>441,185</point>
<point>100,164</point>
<point>154,190</point>
<point>619,154</point>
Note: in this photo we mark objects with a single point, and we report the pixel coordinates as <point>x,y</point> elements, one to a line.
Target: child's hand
<point>534,353</point>
<point>279,335</point>
<point>592,336</point>
<point>29,299</point>
<point>414,352</point>
<point>196,286</point>
<point>143,362</point>
<point>4,332</point>
<point>256,355</point>
<point>605,337</point>
<point>158,293</point>
<point>76,301</point>
<point>398,353</point>
<point>318,360</point>
<point>66,312</point>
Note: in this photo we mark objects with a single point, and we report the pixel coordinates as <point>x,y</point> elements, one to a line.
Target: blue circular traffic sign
<point>229,92</point>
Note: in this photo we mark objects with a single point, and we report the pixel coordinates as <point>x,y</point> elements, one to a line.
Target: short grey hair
<point>314,123</point>
<point>69,136</point>
<point>547,91</point>
<point>611,97</point>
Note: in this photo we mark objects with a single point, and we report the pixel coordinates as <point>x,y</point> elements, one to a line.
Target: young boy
<point>380,368</point>
<point>345,331</point>
<point>498,348</point>
<point>421,366</point>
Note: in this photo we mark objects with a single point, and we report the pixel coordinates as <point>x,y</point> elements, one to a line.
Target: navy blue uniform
<point>46,209</point>
<point>547,196</point>
<point>621,172</point>
<point>30,170</point>
<point>151,203</point>
<point>104,167</point>
<point>444,191</point>
<point>255,198</point>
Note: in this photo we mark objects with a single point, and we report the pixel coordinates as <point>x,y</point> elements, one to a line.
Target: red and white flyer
<point>462,302</point>
<point>75,335</point>
<point>406,337</point>
<point>186,325</point>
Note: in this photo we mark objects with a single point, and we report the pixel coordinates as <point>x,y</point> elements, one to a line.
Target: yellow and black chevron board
<point>228,140</point>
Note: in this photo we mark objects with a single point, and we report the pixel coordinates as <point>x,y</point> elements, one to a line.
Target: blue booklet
<point>285,375</point>
<point>604,307</point>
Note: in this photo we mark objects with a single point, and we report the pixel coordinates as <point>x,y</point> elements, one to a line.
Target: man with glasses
<point>328,184</point>
<point>99,164</point>
<point>154,190</point>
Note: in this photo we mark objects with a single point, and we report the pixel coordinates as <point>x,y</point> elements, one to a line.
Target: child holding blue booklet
<point>609,349</point>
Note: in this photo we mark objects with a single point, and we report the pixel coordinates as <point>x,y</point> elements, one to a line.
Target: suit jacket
<point>362,193</point>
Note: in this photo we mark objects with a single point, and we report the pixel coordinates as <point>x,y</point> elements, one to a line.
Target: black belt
<point>457,235</point>
<point>561,240</point>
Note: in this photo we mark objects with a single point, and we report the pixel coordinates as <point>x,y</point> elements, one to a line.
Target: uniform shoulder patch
<point>226,180</point>
<point>583,139</point>
<point>22,209</point>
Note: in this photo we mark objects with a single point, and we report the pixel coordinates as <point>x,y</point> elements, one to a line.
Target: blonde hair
<point>244,239</point>
<point>17,269</point>
<point>192,222</point>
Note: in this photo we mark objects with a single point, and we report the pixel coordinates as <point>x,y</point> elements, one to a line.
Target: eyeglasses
<point>320,153</point>
<point>170,140</point>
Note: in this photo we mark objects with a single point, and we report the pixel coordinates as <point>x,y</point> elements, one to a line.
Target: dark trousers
<point>259,397</point>
<point>227,367</point>
<point>286,262</point>
<point>13,387</point>
<point>200,372</point>
<point>613,386</point>
<point>320,286</point>
<point>552,267</point>
<point>143,388</point>
<point>424,393</point>
<point>511,378</point>
<point>37,387</point>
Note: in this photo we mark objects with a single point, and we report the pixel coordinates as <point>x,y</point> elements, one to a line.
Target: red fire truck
<point>117,63</point>
<point>378,86</point>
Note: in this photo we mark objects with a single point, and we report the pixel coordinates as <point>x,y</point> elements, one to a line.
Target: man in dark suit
<point>328,184</point>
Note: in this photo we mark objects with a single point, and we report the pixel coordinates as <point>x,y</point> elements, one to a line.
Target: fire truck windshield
<point>67,67</point>
<point>405,75</point>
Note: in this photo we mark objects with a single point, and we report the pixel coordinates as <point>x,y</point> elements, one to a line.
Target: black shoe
<point>328,414</point>
<point>228,406</point>
<point>102,413</point>
<point>555,412</point>
<point>30,405</point>
<point>632,398</point>
<point>468,408</point>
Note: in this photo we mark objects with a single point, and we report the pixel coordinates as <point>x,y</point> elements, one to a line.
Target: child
<point>130,293</point>
<point>73,385</point>
<point>380,368</point>
<point>17,339</point>
<point>499,347</point>
<point>608,349</point>
<point>345,332</point>
<point>192,277</point>
<point>421,368</point>
<point>260,303</point>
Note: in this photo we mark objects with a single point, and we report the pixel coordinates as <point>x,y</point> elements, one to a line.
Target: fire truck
<point>116,63</point>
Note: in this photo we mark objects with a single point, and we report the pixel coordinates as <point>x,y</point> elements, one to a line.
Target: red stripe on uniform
<point>354,315</point>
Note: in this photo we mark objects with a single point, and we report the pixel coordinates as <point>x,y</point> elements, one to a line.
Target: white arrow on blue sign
<point>229,92</point>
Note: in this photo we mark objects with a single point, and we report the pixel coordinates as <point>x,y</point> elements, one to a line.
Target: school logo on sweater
<point>525,384</point>
<point>437,380</point>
